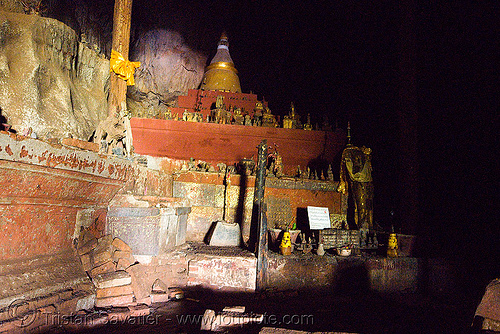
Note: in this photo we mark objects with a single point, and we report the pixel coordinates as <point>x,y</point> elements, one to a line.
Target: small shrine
<point>220,99</point>
<point>212,116</point>
<point>292,120</point>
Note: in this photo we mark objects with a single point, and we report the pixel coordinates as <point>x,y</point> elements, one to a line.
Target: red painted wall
<point>229,144</point>
<point>202,101</point>
<point>44,186</point>
<point>207,98</point>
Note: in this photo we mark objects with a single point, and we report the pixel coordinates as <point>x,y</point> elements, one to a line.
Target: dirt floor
<point>352,312</point>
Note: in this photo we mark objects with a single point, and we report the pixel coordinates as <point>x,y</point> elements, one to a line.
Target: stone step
<point>112,279</point>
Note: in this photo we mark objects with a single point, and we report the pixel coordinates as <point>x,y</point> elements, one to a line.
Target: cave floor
<point>313,311</point>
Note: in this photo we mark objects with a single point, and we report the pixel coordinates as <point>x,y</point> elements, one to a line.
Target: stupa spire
<point>349,134</point>
<point>221,74</point>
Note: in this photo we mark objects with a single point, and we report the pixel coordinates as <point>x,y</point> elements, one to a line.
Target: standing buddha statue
<point>356,181</point>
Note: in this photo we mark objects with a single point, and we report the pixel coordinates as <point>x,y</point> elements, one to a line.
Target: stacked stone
<point>110,264</point>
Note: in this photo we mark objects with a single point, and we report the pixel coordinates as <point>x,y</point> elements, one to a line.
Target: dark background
<point>418,82</point>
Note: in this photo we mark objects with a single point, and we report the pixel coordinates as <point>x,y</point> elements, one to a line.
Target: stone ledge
<point>40,276</point>
<point>37,152</point>
<point>84,145</point>
<point>217,178</point>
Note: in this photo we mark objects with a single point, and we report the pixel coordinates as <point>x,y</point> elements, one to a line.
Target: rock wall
<point>94,24</point>
<point>12,6</point>
<point>49,81</point>
<point>168,69</point>
<point>54,77</point>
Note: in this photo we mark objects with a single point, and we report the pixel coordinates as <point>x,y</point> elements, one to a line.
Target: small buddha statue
<point>308,125</point>
<point>294,117</point>
<point>258,109</point>
<point>248,120</point>
<point>299,172</point>
<point>287,122</point>
<point>330,172</point>
<point>258,113</point>
<point>239,119</point>
<point>325,125</point>
<point>268,119</point>
<point>219,102</point>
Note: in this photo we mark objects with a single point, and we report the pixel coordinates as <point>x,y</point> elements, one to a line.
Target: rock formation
<point>168,69</point>
<point>54,78</point>
<point>49,81</point>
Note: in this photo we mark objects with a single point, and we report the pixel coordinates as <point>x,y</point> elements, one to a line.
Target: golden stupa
<point>221,74</point>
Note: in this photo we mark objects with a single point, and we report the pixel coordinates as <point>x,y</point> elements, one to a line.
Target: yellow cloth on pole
<point>123,68</point>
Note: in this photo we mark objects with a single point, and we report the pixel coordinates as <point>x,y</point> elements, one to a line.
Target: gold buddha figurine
<point>248,120</point>
<point>290,120</point>
<point>219,102</point>
<point>218,115</point>
<point>356,181</point>
<point>259,108</point>
<point>239,119</point>
<point>268,119</point>
<point>287,122</point>
<point>308,125</point>
<point>296,124</point>
<point>325,124</point>
<point>258,112</point>
<point>185,115</point>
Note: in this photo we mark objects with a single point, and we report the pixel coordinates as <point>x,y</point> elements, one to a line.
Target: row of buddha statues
<point>261,116</point>
<point>274,168</point>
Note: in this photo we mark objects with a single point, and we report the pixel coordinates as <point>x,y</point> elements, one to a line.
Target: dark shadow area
<point>274,241</point>
<point>303,225</point>
<point>318,168</point>
<point>350,212</point>
<point>254,228</point>
<point>240,207</point>
<point>254,225</point>
<point>351,278</point>
<point>307,310</point>
<point>4,124</point>
<point>3,119</point>
<point>210,232</point>
<point>303,220</point>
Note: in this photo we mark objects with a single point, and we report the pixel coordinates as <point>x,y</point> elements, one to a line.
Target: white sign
<point>319,218</point>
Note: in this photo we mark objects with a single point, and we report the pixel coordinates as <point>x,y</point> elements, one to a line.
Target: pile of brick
<point>38,314</point>
<point>110,264</point>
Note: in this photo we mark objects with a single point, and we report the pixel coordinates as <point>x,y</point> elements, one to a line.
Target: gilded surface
<point>292,120</point>
<point>221,73</point>
<point>356,180</point>
<point>279,212</point>
<point>221,78</point>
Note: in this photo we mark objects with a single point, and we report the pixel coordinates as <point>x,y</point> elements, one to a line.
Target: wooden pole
<point>116,126</point>
<point>121,41</point>
<point>262,246</point>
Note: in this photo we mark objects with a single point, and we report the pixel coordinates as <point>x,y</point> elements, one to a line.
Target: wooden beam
<point>121,42</point>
